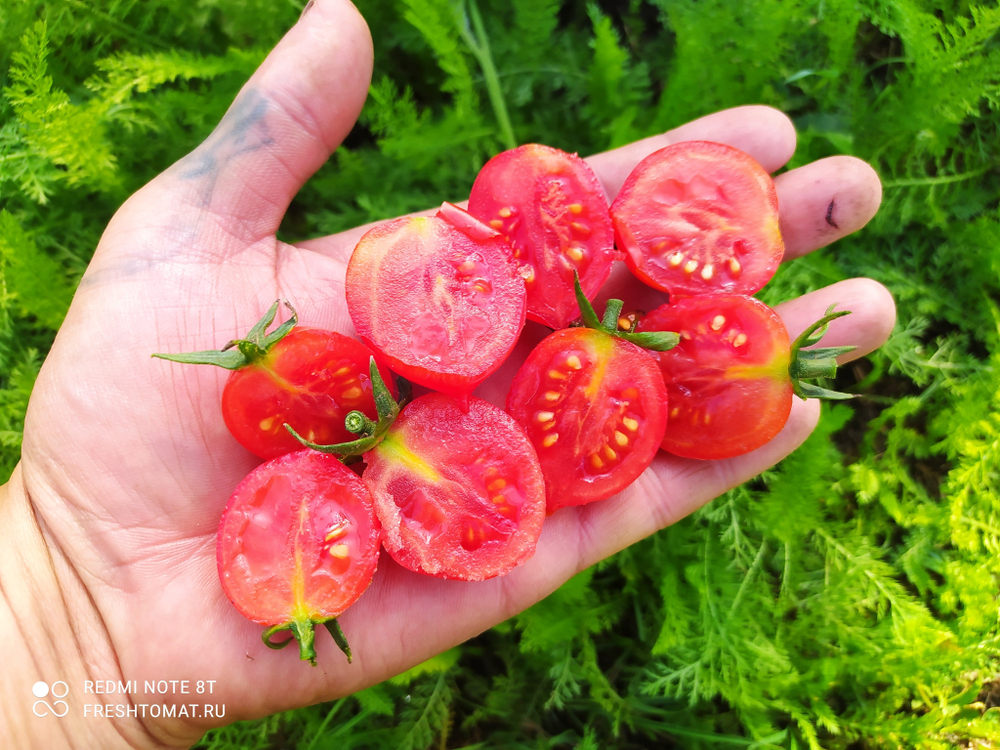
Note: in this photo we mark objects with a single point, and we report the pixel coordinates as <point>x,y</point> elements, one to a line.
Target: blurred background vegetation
<point>845,599</point>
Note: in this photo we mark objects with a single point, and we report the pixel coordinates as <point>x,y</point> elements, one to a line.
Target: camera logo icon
<point>42,707</point>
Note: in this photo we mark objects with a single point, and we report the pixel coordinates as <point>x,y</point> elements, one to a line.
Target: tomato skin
<point>595,408</point>
<point>310,379</point>
<point>459,495</point>
<point>552,209</point>
<point>444,308</point>
<point>304,506</point>
<point>727,380</point>
<point>698,217</point>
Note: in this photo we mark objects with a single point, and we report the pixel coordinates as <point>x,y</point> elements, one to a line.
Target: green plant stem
<point>943,180</point>
<point>480,47</point>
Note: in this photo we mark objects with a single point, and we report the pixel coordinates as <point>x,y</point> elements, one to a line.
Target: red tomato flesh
<point>460,495</point>
<point>298,541</point>
<point>310,379</point>
<point>552,210</point>
<point>594,407</point>
<point>699,217</point>
<point>727,380</point>
<point>443,307</point>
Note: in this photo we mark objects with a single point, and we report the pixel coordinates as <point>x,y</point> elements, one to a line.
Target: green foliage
<point>847,598</point>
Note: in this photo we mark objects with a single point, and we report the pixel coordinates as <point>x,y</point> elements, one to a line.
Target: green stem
<point>942,180</point>
<point>480,47</point>
<point>657,341</point>
<point>304,631</point>
<point>806,364</point>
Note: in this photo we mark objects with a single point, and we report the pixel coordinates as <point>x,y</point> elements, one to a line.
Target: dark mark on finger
<point>829,216</point>
<point>241,131</point>
<point>305,10</point>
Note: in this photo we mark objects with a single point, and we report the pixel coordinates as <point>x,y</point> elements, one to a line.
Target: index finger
<point>763,132</point>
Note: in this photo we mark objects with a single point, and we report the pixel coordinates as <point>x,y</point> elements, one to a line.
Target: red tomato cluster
<point>453,486</point>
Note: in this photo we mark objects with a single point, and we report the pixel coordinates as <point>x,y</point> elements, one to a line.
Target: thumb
<point>284,124</point>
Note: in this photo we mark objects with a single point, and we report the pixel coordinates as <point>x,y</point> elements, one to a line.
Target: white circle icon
<point>40,689</point>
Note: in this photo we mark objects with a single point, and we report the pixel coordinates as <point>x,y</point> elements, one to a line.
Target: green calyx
<point>657,341</point>
<point>369,432</point>
<point>240,353</point>
<point>817,363</point>
<point>304,632</point>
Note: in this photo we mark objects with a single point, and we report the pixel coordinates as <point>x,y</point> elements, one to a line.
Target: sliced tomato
<point>552,210</point>
<point>310,379</point>
<point>439,297</point>
<point>594,407</point>
<point>460,495</point>
<point>699,217</point>
<point>727,380</point>
<point>298,544</point>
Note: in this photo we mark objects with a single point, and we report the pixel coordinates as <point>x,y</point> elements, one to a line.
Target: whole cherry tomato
<point>306,377</point>
<point>439,297</point>
<point>593,404</point>
<point>699,217</point>
<point>297,545</point>
<point>552,210</point>
<point>731,378</point>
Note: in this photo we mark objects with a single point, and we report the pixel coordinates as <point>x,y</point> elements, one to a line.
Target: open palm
<point>127,463</point>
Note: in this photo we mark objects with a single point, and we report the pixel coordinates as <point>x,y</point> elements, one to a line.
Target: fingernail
<point>305,10</point>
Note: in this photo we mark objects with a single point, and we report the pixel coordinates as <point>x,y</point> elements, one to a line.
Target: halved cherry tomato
<point>297,545</point>
<point>699,217</point>
<point>440,297</point>
<point>727,380</point>
<point>593,404</point>
<point>460,495</point>
<point>306,377</point>
<point>594,407</point>
<point>552,210</point>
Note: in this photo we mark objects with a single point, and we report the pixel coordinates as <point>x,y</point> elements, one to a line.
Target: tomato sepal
<point>240,353</point>
<point>303,631</point>
<point>369,431</point>
<point>657,341</point>
<point>807,364</point>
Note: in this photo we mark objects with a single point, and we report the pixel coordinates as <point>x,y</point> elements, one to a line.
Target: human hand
<point>127,463</point>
